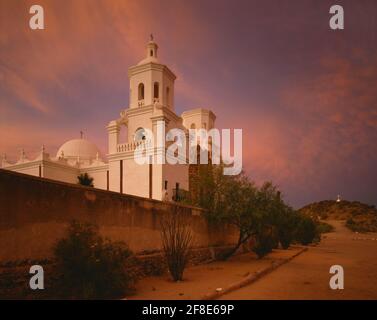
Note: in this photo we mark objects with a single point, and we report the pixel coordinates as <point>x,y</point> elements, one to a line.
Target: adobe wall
<point>35,213</point>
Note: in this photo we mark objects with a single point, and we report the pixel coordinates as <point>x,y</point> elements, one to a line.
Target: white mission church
<point>151,101</point>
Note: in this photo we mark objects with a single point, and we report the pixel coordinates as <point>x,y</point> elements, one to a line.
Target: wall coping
<point>92,189</point>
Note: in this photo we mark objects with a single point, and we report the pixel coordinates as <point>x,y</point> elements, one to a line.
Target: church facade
<point>151,102</point>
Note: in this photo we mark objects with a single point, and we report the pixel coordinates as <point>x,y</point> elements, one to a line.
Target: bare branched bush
<point>176,240</point>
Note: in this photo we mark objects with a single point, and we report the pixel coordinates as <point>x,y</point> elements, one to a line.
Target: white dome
<point>82,148</point>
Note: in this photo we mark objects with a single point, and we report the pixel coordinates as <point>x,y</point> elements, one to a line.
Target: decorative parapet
<point>23,157</point>
<point>131,146</point>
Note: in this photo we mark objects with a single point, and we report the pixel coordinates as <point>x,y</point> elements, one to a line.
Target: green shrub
<point>90,266</point>
<point>264,242</point>
<point>323,227</point>
<point>361,226</point>
<point>306,230</point>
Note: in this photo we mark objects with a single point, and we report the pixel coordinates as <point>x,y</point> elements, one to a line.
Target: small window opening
<point>141,91</point>
<point>167,95</point>
<point>155,90</point>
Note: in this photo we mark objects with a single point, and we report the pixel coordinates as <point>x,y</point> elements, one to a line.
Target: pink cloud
<point>335,119</point>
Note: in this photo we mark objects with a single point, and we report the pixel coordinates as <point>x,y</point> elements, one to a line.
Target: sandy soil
<point>203,279</point>
<point>307,276</point>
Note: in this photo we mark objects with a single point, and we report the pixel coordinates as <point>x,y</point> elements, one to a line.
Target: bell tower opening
<point>141,91</point>
<point>156,90</point>
<point>168,96</point>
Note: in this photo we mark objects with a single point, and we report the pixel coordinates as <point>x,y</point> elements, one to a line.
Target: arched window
<point>192,126</point>
<point>151,53</point>
<point>141,91</point>
<point>167,96</point>
<point>155,90</point>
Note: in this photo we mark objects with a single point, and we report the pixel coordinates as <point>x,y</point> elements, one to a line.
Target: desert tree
<point>256,212</point>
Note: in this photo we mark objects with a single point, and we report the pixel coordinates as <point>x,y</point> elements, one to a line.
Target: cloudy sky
<point>304,95</point>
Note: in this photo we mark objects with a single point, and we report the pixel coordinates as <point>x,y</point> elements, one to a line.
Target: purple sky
<point>305,95</point>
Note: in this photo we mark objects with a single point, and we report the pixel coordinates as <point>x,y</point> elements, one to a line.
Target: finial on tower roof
<point>81,134</point>
<point>151,36</point>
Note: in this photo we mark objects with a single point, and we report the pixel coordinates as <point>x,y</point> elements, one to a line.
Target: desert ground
<point>305,277</point>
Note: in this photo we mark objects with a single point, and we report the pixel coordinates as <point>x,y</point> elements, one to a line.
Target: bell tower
<point>151,101</point>
<point>151,83</point>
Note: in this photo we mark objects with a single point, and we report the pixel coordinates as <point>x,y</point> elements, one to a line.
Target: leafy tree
<point>258,213</point>
<point>238,201</point>
<point>85,180</point>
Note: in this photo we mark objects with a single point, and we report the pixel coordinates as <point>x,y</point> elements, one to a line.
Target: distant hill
<point>359,216</point>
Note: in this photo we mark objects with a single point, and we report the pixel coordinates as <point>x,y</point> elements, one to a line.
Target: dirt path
<point>203,279</point>
<point>307,276</point>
